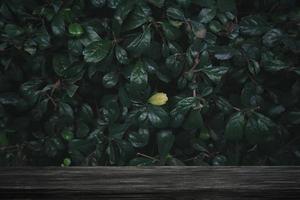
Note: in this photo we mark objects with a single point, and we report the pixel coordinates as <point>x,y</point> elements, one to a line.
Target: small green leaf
<point>67,162</point>
<point>253,67</point>
<point>215,26</point>
<point>61,63</point>
<point>139,76</point>
<point>67,134</point>
<point>110,79</point>
<point>75,29</point>
<point>219,160</point>
<point>121,55</point>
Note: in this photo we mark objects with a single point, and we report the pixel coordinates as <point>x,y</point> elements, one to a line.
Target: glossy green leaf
<point>158,117</point>
<point>140,138</point>
<point>140,43</point>
<point>75,29</point>
<point>96,51</point>
<point>139,16</point>
<point>214,73</point>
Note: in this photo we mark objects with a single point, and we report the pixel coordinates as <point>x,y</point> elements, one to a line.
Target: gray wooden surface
<point>160,183</point>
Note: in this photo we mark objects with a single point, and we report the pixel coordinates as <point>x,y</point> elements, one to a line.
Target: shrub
<point>149,82</point>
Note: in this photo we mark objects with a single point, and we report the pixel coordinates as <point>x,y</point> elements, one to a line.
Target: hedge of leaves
<point>149,82</point>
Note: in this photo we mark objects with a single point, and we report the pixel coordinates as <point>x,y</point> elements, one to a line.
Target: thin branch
<point>146,156</point>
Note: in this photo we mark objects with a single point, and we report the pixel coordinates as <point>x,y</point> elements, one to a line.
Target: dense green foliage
<point>76,79</point>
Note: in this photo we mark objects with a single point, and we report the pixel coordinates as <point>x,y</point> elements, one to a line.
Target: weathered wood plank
<point>150,183</point>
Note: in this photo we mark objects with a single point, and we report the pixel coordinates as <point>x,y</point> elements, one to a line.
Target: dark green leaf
<point>259,129</point>
<point>140,43</point>
<point>272,63</point>
<point>170,31</point>
<point>110,80</point>
<point>175,13</point>
<point>206,15</point>
<point>140,138</point>
<point>96,51</point>
<point>121,55</point>
<point>158,3</point>
<point>234,130</point>
<point>226,5</point>
<point>139,76</point>
<point>98,3</point>
<point>272,37</point>
<point>13,30</point>
<point>254,25</point>
<point>158,117</point>
<point>75,29</point>
<point>165,140</point>
<point>58,25</point>
<point>214,73</point>
<point>194,120</point>
<point>139,16</point>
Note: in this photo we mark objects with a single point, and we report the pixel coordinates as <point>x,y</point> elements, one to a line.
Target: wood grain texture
<point>160,183</point>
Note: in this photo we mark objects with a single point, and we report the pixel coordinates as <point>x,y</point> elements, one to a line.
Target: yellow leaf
<point>158,99</point>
